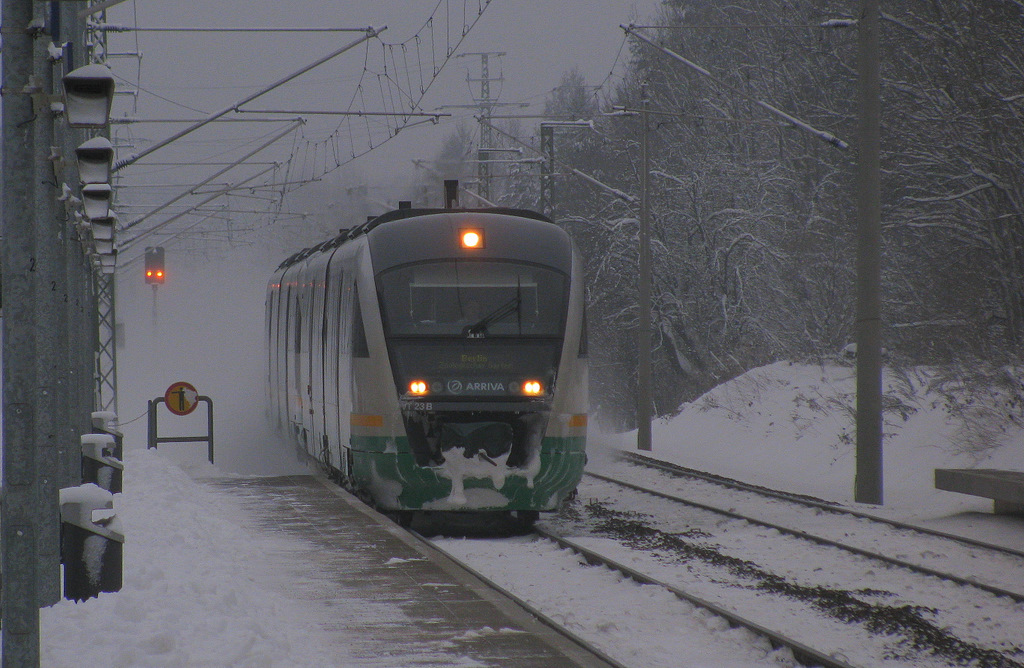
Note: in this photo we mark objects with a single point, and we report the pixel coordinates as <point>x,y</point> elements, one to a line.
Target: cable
<point>156,95</point>
<point>144,413</point>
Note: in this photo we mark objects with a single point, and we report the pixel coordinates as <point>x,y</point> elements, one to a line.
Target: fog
<point>205,324</point>
<point>190,74</point>
<point>202,326</point>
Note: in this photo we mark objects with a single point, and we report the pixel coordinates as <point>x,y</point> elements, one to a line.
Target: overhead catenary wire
<point>335,112</point>
<point>123,265</point>
<point>370,33</point>
<point>288,130</point>
<point>371,118</point>
<point>619,194</point>
<point>390,90</point>
<point>824,135</point>
<point>130,120</point>
<point>111,27</point>
<point>206,201</point>
<point>831,23</point>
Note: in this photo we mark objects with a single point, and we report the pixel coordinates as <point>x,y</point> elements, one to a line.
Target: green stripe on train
<point>386,469</point>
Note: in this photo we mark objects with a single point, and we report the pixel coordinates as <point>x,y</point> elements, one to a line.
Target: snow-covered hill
<point>791,426</point>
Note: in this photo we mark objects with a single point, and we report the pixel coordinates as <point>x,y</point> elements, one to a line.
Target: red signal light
<point>154,265</point>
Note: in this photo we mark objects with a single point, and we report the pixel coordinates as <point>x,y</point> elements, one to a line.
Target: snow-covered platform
<point>1005,488</point>
<point>359,568</point>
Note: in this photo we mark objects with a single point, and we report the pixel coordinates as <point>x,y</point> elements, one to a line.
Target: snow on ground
<point>791,426</point>
<point>638,625</point>
<point>200,589</point>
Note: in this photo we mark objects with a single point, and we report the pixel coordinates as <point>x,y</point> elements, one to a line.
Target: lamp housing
<point>103,246</point>
<point>108,263</point>
<point>103,228</point>
<point>88,95</point>
<point>95,158</point>
<point>96,200</point>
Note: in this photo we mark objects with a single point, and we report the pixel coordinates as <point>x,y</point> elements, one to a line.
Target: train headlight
<point>533,388</point>
<point>471,238</point>
<point>418,387</point>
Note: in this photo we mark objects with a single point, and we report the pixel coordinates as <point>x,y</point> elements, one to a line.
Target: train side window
<point>298,330</point>
<point>359,345</point>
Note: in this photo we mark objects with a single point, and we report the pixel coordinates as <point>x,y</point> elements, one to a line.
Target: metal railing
<point>155,439</point>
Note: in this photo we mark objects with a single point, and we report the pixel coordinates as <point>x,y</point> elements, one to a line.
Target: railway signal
<point>155,265</point>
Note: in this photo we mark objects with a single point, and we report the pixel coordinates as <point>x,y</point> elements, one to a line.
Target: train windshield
<point>473,299</point>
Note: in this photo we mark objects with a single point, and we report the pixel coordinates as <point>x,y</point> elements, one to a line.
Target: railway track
<point>809,582</point>
<point>596,606</point>
<point>808,501</point>
<point>921,550</point>
<point>802,653</point>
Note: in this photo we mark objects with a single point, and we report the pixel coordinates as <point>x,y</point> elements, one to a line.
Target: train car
<point>436,360</point>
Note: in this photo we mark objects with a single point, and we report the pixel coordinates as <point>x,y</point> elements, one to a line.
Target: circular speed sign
<point>181,398</point>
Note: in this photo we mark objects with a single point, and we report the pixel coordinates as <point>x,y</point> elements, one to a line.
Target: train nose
<point>490,439</point>
<point>508,437</point>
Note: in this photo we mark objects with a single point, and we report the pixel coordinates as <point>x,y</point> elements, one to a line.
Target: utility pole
<point>485,104</point>
<point>547,167</point>
<point>51,371</point>
<point>643,374</point>
<point>868,482</point>
<point>643,393</point>
<point>19,521</point>
<point>643,334</point>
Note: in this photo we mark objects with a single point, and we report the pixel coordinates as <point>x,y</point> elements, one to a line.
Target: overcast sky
<point>209,71</point>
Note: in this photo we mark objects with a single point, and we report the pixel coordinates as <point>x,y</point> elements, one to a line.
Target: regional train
<point>436,360</point>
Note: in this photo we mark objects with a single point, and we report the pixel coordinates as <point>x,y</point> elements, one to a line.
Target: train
<point>434,360</point>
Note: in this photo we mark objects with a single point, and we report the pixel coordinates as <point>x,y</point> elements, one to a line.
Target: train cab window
<point>359,345</point>
<point>474,299</point>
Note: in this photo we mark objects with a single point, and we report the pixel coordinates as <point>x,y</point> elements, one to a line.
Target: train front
<point>483,320</point>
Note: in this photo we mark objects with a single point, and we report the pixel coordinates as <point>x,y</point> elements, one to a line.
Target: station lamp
<point>95,157</point>
<point>96,200</point>
<point>88,95</point>
<point>103,234</point>
<point>107,262</point>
